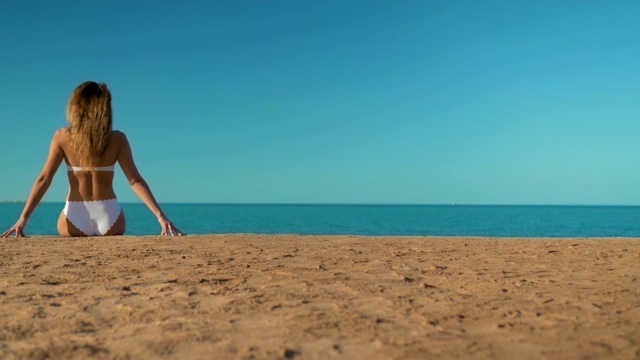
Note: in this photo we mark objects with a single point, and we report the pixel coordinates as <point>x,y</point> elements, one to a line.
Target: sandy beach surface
<point>247,296</point>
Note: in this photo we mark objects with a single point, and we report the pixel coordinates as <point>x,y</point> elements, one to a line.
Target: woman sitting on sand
<point>90,150</point>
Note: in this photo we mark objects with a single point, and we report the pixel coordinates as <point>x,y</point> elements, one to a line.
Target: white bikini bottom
<point>92,217</point>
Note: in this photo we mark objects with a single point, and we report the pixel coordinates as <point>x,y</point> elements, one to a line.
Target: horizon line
<point>344,204</point>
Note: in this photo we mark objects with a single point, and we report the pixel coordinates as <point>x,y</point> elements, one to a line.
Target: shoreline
<point>319,296</point>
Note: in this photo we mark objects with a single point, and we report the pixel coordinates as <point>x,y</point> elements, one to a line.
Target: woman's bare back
<point>91,185</point>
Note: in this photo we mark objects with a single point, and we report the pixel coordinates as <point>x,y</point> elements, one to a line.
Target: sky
<point>366,102</point>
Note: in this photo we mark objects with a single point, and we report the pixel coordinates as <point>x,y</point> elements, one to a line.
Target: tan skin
<point>90,185</point>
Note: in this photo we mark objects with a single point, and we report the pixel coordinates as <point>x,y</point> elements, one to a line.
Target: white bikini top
<point>97,168</point>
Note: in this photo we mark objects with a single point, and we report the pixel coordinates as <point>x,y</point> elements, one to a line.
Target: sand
<point>249,296</point>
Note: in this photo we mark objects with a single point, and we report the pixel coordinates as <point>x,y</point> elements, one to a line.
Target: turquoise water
<point>526,221</point>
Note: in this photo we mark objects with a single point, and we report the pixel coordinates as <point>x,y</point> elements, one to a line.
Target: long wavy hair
<point>89,115</point>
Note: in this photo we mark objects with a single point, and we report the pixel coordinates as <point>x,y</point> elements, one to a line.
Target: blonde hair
<point>89,116</point>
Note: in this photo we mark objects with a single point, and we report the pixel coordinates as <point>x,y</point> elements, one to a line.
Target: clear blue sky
<point>477,102</point>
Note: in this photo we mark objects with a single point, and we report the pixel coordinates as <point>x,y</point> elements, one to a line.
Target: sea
<point>331,219</point>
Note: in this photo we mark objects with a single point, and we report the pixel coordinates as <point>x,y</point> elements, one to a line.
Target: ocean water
<point>474,220</point>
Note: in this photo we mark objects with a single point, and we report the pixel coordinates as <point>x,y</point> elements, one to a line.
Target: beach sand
<point>319,297</point>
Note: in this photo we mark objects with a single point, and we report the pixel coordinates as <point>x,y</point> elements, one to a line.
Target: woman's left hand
<point>17,228</point>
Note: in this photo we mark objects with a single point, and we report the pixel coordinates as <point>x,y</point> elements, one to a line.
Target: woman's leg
<point>66,228</point>
<point>118,227</point>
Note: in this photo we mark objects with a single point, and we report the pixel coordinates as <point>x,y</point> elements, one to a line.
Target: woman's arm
<point>140,187</point>
<point>40,186</point>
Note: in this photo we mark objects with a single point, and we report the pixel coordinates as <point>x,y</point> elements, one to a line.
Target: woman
<point>90,150</point>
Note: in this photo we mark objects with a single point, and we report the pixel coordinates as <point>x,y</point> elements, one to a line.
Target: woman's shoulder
<point>118,135</point>
<point>118,139</point>
<point>61,134</point>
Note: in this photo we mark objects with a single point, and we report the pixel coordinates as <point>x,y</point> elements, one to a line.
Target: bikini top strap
<point>97,168</point>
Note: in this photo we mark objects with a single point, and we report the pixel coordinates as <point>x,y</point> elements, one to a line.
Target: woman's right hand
<point>167,227</point>
<point>17,228</point>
